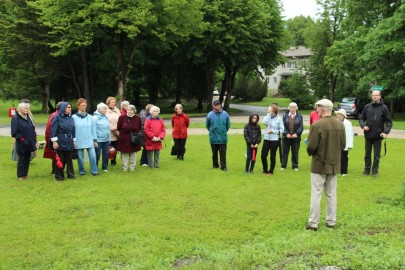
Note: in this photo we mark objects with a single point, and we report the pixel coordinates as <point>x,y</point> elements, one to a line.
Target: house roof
<point>297,52</point>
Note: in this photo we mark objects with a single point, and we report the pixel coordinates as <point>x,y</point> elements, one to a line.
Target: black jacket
<point>252,132</point>
<point>377,117</point>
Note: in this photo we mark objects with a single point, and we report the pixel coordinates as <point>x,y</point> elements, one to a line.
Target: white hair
<point>153,108</point>
<point>124,103</point>
<point>101,106</point>
<point>23,105</point>
<point>293,104</point>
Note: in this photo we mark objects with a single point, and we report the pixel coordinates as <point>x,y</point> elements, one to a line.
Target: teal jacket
<point>218,124</point>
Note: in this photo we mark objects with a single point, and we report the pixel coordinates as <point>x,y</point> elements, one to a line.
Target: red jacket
<point>154,127</point>
<point>125,125</point>
<point>180,123</point>
<point>48,153</point>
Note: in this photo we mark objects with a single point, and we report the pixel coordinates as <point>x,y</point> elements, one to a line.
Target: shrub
<point>296,88</point>
<point>250,88</point>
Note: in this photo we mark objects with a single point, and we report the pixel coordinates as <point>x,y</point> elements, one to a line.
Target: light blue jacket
<point>102,127</point>
<point>85,131</point>
<point>274,124</point>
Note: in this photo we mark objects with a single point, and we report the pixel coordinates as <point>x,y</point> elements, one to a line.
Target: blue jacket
<point>274,124</point>
<point>102,127</point>
<point>23,130</point>
<point>63,129</point>
<point>218,124</point>
<point>85,131</point>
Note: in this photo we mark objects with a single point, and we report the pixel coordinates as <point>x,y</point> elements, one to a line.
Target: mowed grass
<point>187,215</point>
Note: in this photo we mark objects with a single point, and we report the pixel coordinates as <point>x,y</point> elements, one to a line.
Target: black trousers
<point>250,164</point>
<point>144,157</point>
<point>180,146</point>
<point>294,146</point>
<point>269,146</point>
<point>23,164</point>
<point>114,144</point>
<point>66,159</point>
<point>369,145</point>
<point>344,162</point>
<point>221,148</point>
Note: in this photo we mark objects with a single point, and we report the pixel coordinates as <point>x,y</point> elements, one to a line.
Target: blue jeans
<point>92,159</point>
<point>102,149</point>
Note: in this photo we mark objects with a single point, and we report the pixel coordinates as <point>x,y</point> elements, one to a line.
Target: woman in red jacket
<point>180,123</point>
<point>155,132</point>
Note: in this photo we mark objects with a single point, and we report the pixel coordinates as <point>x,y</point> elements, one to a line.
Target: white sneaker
<point>296,169</point>
<point>344,174</point>
<point>105,170</point>
<point>144,165</point>
<point>282,169</point>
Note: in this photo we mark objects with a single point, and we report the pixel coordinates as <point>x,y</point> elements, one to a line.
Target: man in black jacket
<point>376,124</point>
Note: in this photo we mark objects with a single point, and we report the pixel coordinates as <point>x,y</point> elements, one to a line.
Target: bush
<point>249,88</point>
<point>296,88</point>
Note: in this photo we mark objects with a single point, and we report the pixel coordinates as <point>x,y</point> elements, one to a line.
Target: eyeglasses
<point>68,107</point>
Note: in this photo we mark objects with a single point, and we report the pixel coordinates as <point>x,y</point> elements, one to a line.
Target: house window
<point>275,80</point>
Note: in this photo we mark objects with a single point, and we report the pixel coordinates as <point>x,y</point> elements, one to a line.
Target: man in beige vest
<point>326,140</point>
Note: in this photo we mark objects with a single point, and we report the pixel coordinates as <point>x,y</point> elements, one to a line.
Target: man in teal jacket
<point>218,124</point>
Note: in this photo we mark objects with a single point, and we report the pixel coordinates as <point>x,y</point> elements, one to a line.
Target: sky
<point>294,8</point>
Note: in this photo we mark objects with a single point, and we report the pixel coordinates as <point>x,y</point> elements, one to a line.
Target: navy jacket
<point>23,130</point>
<point>63,129</point>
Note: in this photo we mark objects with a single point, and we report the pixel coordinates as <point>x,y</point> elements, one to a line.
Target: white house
<point>297,60</point>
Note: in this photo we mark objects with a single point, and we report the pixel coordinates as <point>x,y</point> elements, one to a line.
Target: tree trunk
<point>45,97</point>
<point>86,85</point>
<point>121,70</point>
<point>210,72</point>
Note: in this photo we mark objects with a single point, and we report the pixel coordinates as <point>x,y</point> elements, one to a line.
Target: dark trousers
<point>294,145</point>
<point>180,146</point>
<point>370,144</point>
<point>102,150</point>
<point>269,146</point>
<point>344,162</point>
<point>144,157</point>
<point>114,144</point>
<point>23,164</point>
<point>66,159</point>
<point>221,148</point>
<point>250,164</point>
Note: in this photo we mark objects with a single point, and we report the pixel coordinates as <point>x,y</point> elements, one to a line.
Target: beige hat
<point>342,112</point>
<point>325,103</point>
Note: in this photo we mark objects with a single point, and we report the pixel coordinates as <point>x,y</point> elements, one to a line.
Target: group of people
<point>102,134</point>
<point>68,136</point>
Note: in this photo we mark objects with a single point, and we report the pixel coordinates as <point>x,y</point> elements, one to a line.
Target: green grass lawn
<point>187,215</point>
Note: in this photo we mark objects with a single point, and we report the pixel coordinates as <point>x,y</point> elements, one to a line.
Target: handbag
<point>174,151</point>
<point>136,138</point>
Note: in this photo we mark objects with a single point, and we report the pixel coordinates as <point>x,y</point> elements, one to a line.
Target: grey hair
<point>132,107</point>
<point>124,103</point>
<point>293,104</point>
<point>101,106</point>
<point>178,106</point>
<point>23,105</point>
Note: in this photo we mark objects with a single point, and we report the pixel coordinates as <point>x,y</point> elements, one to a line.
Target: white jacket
<point>349,134</point>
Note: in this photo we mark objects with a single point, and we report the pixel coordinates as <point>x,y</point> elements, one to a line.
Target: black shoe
<point>375,174</point>
<point>215,167</point>
<point>308,227</point>
<point>224,169</point>
<point>330,226</point>
<point>365,173</point>
<point>72,177</point>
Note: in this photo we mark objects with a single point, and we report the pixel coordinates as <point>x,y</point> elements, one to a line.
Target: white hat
<point>342,112</point>
<point>325,103</point>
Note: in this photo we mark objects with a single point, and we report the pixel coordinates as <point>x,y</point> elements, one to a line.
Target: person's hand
<point>270,131</point>
<point>55,145</point>
<point>294,136</point>
<point>256,145</point>
<point>383,135</point>
<point>95,144</point>
<point>288,136</point>
<point>365,128</point>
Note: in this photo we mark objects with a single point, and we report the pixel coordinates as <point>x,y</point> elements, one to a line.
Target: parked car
<point>353,106</point>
